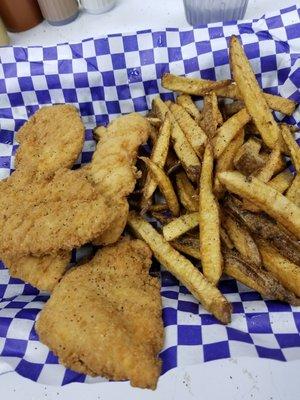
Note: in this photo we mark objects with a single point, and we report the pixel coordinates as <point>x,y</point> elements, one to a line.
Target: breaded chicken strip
<point>104,317</point>
<point>113,166</point>
<point>51,139</point>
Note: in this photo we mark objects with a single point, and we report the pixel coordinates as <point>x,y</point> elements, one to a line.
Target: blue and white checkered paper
<point>121,73</point>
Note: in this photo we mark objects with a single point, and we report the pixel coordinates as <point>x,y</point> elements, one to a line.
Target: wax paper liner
<point>108,76</point>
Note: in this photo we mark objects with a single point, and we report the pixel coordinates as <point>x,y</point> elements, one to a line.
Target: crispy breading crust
<point>110,324</point>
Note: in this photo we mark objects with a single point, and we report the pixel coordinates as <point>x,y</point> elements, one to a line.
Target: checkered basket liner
<point>108,76</point>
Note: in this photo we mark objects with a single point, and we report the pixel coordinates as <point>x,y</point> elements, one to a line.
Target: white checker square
<point>36,352</point>
<point>281,33</point>
<point>135,89</point>
<point>267,79</point>
<point>256,306</point>
<point>52,374</point>
<point>104,62</point>
<point>79,65</point>
<point>201,35</point>
<point>186,318</point>
<point>29,97</point>
<point>148,72</point>
<point>283,322</point>
<point>218,44</point>
<point>177,67</point>
<point>161,55</point>
<point>189,51</point>
<point>20,328</point>
<point>173,38</point>
<point>167,302</point>
<point>23,69</point>
<point>290,18</point>
<point>7,55</point>
<point>171,335</point>
<point>35,54</point>
<point>13,290</point>
<point>9,312</point>
<point>230,30</point>
<point>5,149</point>
<point>291,353</point>
<point>57,96</point>
<point>267,340</point>
<point>88,49</point>
<point>2,343</point>
<point>213,334</point>
<point>145,41</point>
<point>239,322</point>
<point>110,93</point>
<point>267,48</point>
<point>121,77</point>
<point>206,61</point>
<point>116,44</point>
<point>67,81</point>
<point>12,85</point>
<point>94,79</point>
<point>89,145</point>
<point>4,173</point>
<point>64,52</point>
<point>83,95</point>
<point>99,108</point>
<point>189,355</point>
<point>241,349</point>
<point>51,67</point>
<point>39,82</point>
<point>126,106</point>
<point>223,72</point>
<point>4,101</point>
<point>132,59</point>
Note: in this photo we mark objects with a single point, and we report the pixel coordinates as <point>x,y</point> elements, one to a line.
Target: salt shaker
<point>59,12</point>
<point>98,6</point>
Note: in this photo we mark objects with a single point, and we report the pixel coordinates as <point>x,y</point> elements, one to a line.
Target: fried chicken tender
<point>110,324</point>
<point>113,167</point>
<point>52,138</point>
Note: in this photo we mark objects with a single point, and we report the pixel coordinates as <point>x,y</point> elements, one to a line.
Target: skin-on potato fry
<point>282,181</point>
<point>162,217</point>
<point>181,145</point>
<point>164,185</point>
<point>211,116</point>
<point>208,295</point>
<point>256,278</point>
<point>156,122</point>
<point>273,165</point>
<point>158,156</point>
<point>292,145</point>
<point>225,161</point>
<point>242,240</point>
<point>186,192</point>
<point>180,225</point>
<point>284,270</point>
<point>267,198</point>
<point>247,159</point>
<point>187,103</point>
<point>261,225</point>
<point>229,130</point>
<point>195,86</point>
<point>193,132</point>
<point>254,100</point>
<point>293,194</point>
<point>232,108</point>
<point>187,245</point>
<point>276,103</point>
<point>209,222</point>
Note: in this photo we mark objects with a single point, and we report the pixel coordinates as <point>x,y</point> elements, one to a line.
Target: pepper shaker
<point>59,12</point>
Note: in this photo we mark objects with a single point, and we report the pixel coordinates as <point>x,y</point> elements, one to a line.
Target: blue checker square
<point>33,336</point>
<point>97,93</point>
<point>239,336</point>
<point>81,80</point>
<point>274,22</point>
<point>293,31</point>
<point>6,137</point>
<point>250,296</point>
<point>215,32</point>
<point>159,39</point>
<point>3,88</point>
<point>169,359</point>
<point>65,67</point>
<point>146,57</point>
<point>203,47</point>
<point>123,92</point>
<point>108,78</point>
<point>130,43</point>
<point>191,65</point>
<point>101,46</point>
<point>216,351</point>
<point>134,75</point>
<point>92,64</point>
<point>277,306</point>
<point>189,335</point>
<point>174,54</point>
<point>53,81</point>
<point>29,370</point>
<point>4,161</point>
<point>14,348</point>
<point>43,96</point>
<point>20,54</point>
<point>274,354</point>
<point>252,50</point>
<point>228,286</point>
<point>72,376</point>
<point>86,108</point>
<point>188,306</point>
<point>237,307</point>
<point>113,107</point>
<point>268,63</point>
<point>161,69</point>
<point>9,70</point>
<point>4,322</point>
<point>283,74</point>
<point>296,316</point>
<point>258,323</point>
<point>50,53</point>
<point>70,95</point>
<point>170,294</point>
<point>36,68</point>
<point>26,83</point>
<point>150,87</point>
<point>51,358</point>
<point>76,49</point>
<point>169,316</point>
<point>220,57</point>
<point>208,73</point>
<point>140,104</point>
<point>186,37</point>
<point>28,313</point>
<point>288,340</point>
<point>118,61</point>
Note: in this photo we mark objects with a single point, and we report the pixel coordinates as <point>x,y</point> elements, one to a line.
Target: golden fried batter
<point>104,318</point>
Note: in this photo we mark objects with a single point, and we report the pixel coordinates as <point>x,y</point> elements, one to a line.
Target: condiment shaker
<point>20,15</point>
<point>97,6</point>
<point>59,12</point>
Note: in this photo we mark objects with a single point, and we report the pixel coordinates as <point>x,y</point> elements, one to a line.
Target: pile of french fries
<point>218,184</point>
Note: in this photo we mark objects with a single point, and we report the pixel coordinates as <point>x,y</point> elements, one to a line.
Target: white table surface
<point>242,379</point>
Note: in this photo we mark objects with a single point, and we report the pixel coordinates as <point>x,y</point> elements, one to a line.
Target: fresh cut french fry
<point>256,278</point>
<point>292,145</point>
<point>267,198</point>
<point>282,181</point>
<point>283,269</point>
<point>293,194</point>
<point>266,228</point>
<point>193,132</point>
<point>187,245</point>
<point>225,161</point>
<point>229,130</point>
<point>232,108</point>
<point>187,194</point>
<point>181,145</point>
<point>158,156</point>
<point>253,97</point>
<point>164,185</point>
<point>180,225</point>
<point>242,240</point>
<point>208,295</point>
<point>209,222</point>
<point>247,159</point>
<point>276,103</point>
<point>211,116</point>
<point>187,103</point>
<point>192,86</point>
